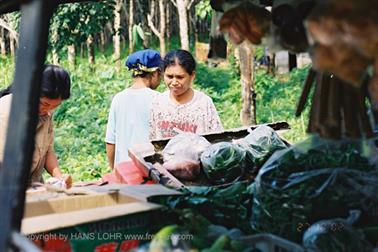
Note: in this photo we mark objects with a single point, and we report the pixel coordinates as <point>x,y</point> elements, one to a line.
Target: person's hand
<point>56,173</point>
<point>246,21</point>
<point>68,180</point>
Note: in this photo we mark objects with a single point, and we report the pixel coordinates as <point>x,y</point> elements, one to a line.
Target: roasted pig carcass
<point>341,59</point>
<point>246,21</point>
<point>355,23</point>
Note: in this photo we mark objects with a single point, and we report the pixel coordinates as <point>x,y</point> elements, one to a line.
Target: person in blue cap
<point>130,109</point>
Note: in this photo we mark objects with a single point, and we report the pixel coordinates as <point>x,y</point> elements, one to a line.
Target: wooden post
<point>248,112</point>
<point>19,147</point>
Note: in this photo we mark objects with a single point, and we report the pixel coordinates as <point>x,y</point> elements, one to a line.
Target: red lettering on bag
<point>128,245</point>
<point>107,247</point>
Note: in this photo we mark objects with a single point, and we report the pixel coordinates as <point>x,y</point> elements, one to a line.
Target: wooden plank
<point>172,180</point>
<point>50,222</point>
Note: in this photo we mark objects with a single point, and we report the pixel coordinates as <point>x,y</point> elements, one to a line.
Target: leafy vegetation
<point>313,181</point>
<point>80,122</point>
<point>73,23</point>
<point>228,209</point>
<point>203,9</point>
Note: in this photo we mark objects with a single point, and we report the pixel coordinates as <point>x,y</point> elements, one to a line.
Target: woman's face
<point>177,79</point>
<point>47,104</point>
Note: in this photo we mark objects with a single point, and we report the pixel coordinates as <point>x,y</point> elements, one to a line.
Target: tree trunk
<point>90,50</point>
<point>183,24</point>
<point>108,31</point>
<point>168,23</point>
<point>124,23</point>
<point>82,50</point>
<point>102,41</point>
<point>117,26</point>
<point>190,24</point>
<point>131,24</point>
<point>161,32</point>
<point>143,23</point>
<point>55,55</point>
<point>71,51</point>
<point>248,112</point>
<point>162,7</point>
<point>193,22</point>
<point>146,40</point>
<point>3,48</point>
<point>218,45</point>
<point>12,46</point>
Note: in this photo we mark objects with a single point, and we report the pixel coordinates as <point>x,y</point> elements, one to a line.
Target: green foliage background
<point>80,122</point>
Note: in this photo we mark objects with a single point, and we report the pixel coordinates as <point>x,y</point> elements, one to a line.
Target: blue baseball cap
<point>147,60</point>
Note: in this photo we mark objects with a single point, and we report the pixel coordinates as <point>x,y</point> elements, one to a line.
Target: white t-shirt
<point>169,118</point>
<point>128,120</point>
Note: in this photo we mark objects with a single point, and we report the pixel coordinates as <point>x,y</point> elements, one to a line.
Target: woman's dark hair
<point>143,74</point>
<point>181,57</point>
<point>56,83</point>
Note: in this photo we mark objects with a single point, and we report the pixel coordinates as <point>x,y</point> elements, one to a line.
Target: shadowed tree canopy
<point>7,6</point>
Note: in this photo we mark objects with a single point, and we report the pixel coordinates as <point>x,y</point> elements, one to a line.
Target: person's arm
<point>3,134</point>
<point>4,118</point>
<point>110,136</point>
<point>52,167</point>
<point>110,152</point>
